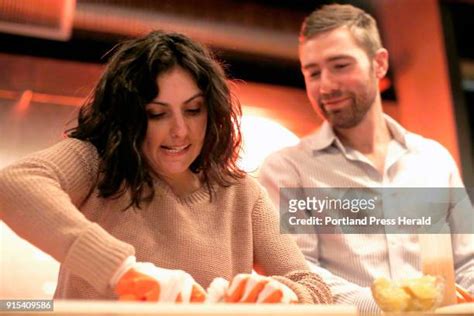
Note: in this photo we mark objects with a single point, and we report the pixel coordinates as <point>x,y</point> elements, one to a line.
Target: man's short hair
<point>362,25</point>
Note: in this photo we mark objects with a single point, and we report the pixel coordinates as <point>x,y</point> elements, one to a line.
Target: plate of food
<point>423,294</point>
<point>408,295</point>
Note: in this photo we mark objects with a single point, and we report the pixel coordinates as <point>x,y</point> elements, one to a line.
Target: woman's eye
<point>194,111</point>
<point>155,116</point>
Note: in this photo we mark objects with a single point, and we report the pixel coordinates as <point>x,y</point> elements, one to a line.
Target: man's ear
<point>381,62</point>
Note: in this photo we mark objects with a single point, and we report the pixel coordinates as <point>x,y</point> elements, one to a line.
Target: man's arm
<point>277,172</point>
<point>462,239</point>
<point>343,291</point>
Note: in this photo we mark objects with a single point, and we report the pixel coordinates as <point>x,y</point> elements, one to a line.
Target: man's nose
<point>327,83</point>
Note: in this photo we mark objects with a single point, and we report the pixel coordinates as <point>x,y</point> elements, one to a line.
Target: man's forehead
<point>329,46</point>
<point>341,36</point>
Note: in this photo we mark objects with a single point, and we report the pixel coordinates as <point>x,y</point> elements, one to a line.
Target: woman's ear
<point>381,62</point>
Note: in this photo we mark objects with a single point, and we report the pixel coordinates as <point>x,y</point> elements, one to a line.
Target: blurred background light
<point>262,136</point>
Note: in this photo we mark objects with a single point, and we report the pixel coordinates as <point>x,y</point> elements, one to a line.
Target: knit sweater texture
<point>50,198</point>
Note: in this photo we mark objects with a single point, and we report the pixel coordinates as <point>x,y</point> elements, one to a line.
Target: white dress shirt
<point>349,263</point>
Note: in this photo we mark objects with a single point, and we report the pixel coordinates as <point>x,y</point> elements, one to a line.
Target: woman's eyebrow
<point>199,94</point>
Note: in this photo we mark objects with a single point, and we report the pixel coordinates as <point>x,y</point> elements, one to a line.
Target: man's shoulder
<point>302,149</point>
<point>416,143</point>
<point>289,160</point>
<point>431,153</point>
<point>426,146</point>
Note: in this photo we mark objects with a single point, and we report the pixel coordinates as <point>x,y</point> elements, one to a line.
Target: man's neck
<point>370,137</point>
<point>369,134</point>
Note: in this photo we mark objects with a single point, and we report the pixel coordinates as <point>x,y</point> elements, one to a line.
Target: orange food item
<point>135,286</point>
<point>247,288</point>
<point>462,295</point>
<point>236,295</point>
<point>198,295</point>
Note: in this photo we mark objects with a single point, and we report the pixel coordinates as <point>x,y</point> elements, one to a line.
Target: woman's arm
<point>39,198</point>
<point>278,255</point>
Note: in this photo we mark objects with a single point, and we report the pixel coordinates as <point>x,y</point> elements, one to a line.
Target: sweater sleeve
<point>278,255</point>
<point>39,198</point>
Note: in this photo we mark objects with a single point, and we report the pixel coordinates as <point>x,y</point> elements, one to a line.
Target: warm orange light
<point>24,102</point>
<point>384,84</point>
<point>262,136</point>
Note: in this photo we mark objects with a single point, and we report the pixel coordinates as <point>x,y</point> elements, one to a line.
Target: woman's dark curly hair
<point>114,119</point>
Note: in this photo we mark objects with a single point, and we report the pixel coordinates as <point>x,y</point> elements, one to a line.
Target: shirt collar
<point>325,136</point>
<point>399,133</point>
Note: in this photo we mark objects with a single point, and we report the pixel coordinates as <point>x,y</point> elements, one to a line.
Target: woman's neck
<point>183,184</point>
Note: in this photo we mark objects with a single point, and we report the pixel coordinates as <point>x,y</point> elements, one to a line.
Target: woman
<point>149,174</point>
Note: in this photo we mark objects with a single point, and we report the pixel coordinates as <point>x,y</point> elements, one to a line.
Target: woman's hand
<point>254,288</point>
<point>147,282</point>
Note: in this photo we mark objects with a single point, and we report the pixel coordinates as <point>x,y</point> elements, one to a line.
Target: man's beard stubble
<point>351,115</point>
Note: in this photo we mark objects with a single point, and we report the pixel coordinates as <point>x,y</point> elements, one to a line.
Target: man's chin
<point>339,120</point>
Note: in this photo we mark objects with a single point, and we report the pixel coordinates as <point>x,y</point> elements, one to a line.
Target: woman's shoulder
<point>244,195</point>
<point>246,188</point>
<point>71,147</point>
<point>78,145</point>
<point>68,154</point>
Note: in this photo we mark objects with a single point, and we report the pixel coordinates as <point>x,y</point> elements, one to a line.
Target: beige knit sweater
<point>50,199</point>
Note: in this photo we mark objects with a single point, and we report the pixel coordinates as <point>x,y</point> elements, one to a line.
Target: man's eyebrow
<point>197,95</point>
<point>310,65</point>
<point>339,57</point>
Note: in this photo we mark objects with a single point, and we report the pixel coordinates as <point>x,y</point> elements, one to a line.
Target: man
<point>342,60</point>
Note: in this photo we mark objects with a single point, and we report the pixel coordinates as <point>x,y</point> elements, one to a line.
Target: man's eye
<point>314,74</point>
<point>341,66</point>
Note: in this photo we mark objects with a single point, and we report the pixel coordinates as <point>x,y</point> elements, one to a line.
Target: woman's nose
<point>179,128</point>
